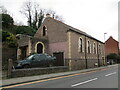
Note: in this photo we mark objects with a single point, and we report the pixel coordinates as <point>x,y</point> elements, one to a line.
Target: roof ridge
<point>67,24</point>
<point>112,38</point>
<point>75,29</point>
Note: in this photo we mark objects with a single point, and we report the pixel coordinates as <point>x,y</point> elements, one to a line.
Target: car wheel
<point>26,66</point>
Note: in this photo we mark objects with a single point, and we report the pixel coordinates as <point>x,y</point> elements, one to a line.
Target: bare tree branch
<point>35,14</point>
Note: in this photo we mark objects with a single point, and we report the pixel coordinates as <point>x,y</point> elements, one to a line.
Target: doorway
<point>23,52</point>
<point>39,48</point>
<point>59,58</point>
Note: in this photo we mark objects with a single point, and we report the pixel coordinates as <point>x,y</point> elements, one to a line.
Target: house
<point>111,46</point>
<point>72,47</point>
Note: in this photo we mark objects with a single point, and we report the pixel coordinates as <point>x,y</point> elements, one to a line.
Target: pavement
<point>14,81</point>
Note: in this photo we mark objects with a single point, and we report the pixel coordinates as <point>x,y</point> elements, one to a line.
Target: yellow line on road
<point>49,79</point>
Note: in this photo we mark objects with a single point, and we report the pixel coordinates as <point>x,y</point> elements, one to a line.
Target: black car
<point>36,60</point>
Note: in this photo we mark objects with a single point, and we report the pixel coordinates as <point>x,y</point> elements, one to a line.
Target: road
<point>105,78</point>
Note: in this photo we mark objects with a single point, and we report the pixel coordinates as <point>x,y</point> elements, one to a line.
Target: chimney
<point>47,15</point>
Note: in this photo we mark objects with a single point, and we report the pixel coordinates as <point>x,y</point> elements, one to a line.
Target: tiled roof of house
<point>112,39</point>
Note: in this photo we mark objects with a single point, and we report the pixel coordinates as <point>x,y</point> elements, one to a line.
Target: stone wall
<point>78,64</point>
<point>56,31</point>
<point>6,54</point>
<point>38,71</point>
<point>91,57</point>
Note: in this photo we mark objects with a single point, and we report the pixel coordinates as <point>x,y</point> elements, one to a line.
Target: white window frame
<point>87,46</point>
<point>94,48</point>
<point>99,48</point>
<point>45,30</point>
<point>79,45</point>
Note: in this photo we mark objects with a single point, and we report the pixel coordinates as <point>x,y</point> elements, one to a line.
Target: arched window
<point>44,31</point>
<point>99,49</point>
<point>39,47</point>
<point>80,45</point>
<point>88,46</point>
<point>94,48</point>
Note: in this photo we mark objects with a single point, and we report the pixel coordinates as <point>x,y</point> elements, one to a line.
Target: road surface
<point>105,78</point>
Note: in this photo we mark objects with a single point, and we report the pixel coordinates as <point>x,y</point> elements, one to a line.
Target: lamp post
<point>104,51</point>
<point>104,36</point>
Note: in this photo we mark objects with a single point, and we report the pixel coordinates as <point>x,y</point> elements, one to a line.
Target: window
<point>44,31</point>
<point>94,48</point>
<point>99,49</point>
<point>88,46</point>
<point>80,45</point>
<point>30,57</point>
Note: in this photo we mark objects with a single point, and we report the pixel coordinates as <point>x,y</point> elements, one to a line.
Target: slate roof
<point>70,28</point>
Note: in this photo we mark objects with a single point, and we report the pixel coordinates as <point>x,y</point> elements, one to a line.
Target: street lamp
<point>104,50</point>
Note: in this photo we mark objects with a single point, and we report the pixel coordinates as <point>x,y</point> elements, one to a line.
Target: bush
<point>7,21</point>
<point>9,39</point>
<point>114,57</point>
<point>25,30</point>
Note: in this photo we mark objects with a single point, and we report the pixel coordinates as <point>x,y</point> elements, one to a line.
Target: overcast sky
<point>94,17</point>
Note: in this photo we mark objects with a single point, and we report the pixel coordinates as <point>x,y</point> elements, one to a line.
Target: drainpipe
<point>98,55</point>
<point>69,49</point>
<point>86,54</point>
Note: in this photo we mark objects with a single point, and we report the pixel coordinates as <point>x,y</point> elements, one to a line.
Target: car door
<point>35,61</point>
<point>42,60</point>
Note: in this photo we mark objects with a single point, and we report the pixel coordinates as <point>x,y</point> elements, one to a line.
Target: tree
<point>7,21</point>
<point>35,14</point>
<point>38,16</point>
<point>54,15</point>
<point>9,39</point>
<point>118,59</point>
<point>3,10</point>
<point>114,57</point>
<point>27,11</point>
<point>59,18</point>
<point>25,30</point>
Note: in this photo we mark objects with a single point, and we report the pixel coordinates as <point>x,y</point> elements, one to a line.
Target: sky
<point>95,17</point>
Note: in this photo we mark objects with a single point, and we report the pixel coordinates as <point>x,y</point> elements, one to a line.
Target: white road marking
<point>84,82</point>
<point>110,74</point>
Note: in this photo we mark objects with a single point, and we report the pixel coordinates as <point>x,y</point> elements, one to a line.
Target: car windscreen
<point>30,57</point>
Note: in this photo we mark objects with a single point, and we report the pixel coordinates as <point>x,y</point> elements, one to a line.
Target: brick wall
<point>111,46</point>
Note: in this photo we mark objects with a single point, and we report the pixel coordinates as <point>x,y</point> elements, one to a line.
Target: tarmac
<point>19,80</point>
